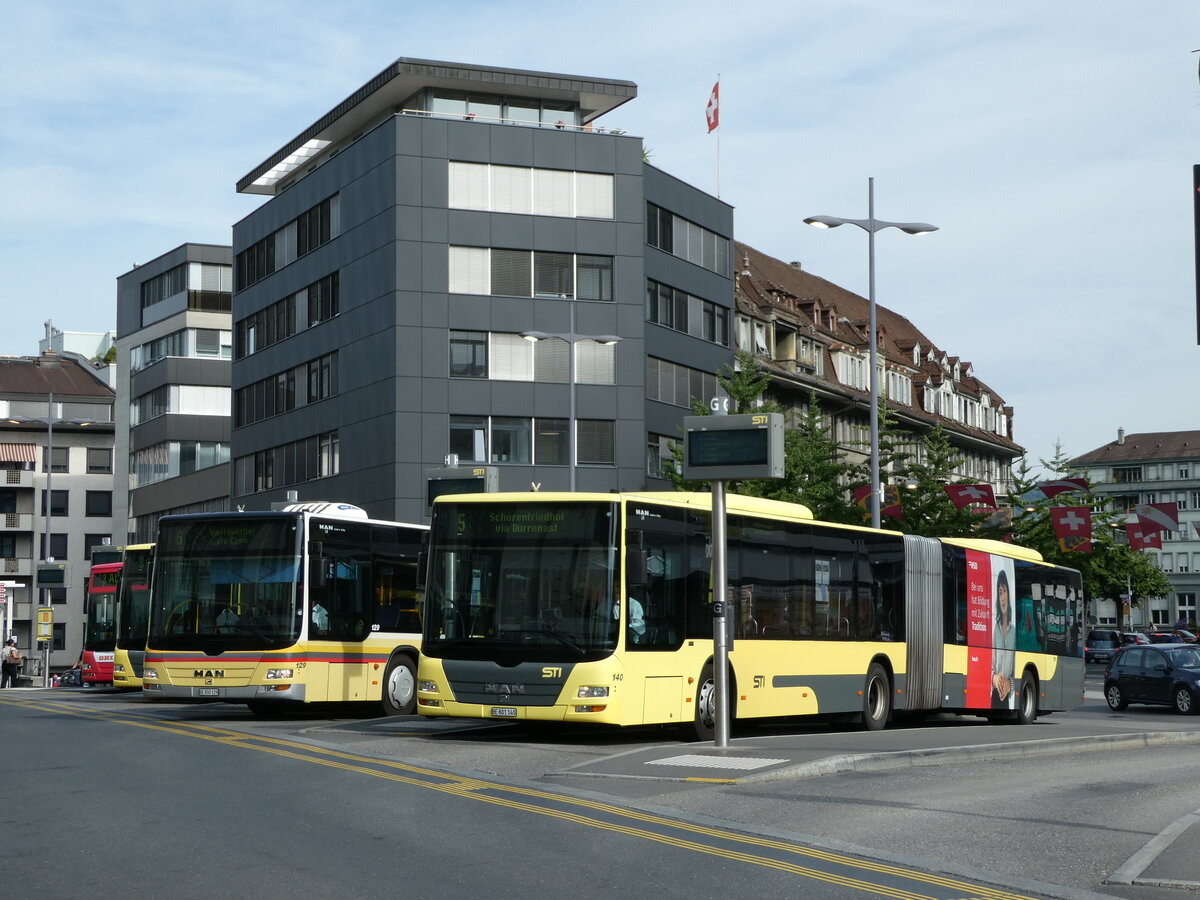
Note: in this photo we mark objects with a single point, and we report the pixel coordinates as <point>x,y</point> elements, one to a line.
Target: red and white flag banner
<point>1073,527</point>
<point>1062,485</point>
<point>712,112</point>
<point>1141,537</point>
<point>1163,516</point>
<point>965,494</point>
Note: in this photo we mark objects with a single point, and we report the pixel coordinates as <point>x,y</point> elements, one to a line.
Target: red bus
<point>100,631</point>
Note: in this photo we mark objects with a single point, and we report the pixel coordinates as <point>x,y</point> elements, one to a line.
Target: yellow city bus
<point>313,603</point>
<point>598,608</point>
<point>133,616</point>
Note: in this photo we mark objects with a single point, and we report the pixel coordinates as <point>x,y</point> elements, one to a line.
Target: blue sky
<point>1052,143</point>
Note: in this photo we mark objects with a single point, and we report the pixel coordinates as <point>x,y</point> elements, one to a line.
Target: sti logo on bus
<point>208,673</point>
<point>551,671</point>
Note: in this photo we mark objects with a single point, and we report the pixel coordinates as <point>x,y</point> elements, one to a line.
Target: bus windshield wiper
<point>547,630</point>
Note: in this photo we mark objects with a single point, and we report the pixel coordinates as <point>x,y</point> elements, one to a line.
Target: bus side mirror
<point>422,561</point>
<point>635,567</point>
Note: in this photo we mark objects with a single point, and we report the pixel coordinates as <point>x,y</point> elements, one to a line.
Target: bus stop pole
<point>720,631</point>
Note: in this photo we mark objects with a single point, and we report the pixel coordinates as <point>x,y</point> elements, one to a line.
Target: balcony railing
<point>10,522</point>
<point>17,478</point>
<point>16,567</point>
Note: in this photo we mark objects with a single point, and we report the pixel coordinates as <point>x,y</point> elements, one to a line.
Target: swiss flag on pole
<point>965,494</point>
<point>713,111</point>
<point>1072,527</point>
<point>1141,537</point>
<point>1160,516</point>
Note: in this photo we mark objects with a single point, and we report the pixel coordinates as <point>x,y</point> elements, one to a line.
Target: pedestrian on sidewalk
<point>10,664</point>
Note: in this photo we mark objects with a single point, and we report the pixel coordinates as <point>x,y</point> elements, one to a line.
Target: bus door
<point>340,619</point>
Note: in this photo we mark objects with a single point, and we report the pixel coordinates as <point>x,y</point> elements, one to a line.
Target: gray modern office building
<point>174,345</point>
<point>461,262</point>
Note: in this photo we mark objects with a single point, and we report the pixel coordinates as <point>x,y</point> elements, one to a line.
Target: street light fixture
<point>871,225</point>
<point>571,339</point>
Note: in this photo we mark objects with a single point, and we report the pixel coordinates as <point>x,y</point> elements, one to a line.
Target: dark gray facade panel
<point>511,232</point>
<point>557,236</point>
<point>512,146</point>
<point>597,236</point>
<point>468,142</point>
<point>435,396</point>
<point>433,268</point>
<point>512,398</point>
<point>598,154</point>
<point>470,229</point>
<point>555,149</point>
<point>434,141</point>
<point>467,397</point>
<point>180,370</point>
<point>184,490</point>
<point>411,172</point>
<point>176,427</point>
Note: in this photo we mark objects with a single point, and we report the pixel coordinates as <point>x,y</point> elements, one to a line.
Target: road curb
<point>911,759</point>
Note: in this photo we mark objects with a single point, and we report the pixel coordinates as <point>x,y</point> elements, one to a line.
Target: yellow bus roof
<point>999,548</point>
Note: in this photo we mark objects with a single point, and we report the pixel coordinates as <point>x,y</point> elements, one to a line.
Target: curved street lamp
<point>571,339</point>
<point>871,225</point>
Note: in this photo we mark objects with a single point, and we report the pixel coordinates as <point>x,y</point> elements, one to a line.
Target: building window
<point>308,231</point>
<point>91,542</point>
<point>8,546</point>
<point>676,235</point>
<point>58,546</point>
<point>523,273</point>
<point>98,503</point>
<point>660,455</point>
<point>550,442</point>
<point>468,438</point>
<point>99,460</point>
<point>58,503</point>
<point>468,354</point>
<point>304,460</point>
<point>59,458</point>
<point>668,382</point>
<point>595,442</point>
<point>324,299</point>
<point>542,192</point>
<point>59,639</point>
<point>1127,474</point>
<point>512,440</point>
<point>682,312</point>
<point>168,284</point>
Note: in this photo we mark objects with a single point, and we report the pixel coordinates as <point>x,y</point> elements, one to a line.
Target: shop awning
<point>18,453</point>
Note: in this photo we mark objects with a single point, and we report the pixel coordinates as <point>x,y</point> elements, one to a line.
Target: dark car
<point>1162,674</point>
<point>1133,637</point>
<point>1101,645</point>
<point>1165,637</point>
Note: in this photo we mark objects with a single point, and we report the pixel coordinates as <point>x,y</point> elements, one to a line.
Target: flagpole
<point>718,138</point>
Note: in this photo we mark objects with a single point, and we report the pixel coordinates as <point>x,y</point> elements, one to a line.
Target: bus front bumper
<point>242,694</point>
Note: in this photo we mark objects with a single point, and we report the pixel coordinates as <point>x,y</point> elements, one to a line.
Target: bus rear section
<point>99,632</point>
<point>133,616</point>
<point>311,604</point>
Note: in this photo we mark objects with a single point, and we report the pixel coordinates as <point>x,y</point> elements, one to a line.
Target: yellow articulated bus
<point>598,608</point>
<point>313,603</point>
<point>133,616</point>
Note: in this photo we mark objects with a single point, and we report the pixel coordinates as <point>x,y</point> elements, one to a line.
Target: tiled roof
<point>770,288</point>
<point>1150,445</point>
<point>24,375</point>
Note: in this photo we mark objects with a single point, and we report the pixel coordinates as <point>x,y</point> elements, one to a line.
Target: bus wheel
<point>703,726</point>
<point>877,699</point>
<point>399,687</point>
<point>1027,700</point>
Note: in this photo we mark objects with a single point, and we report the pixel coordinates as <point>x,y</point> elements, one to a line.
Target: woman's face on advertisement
<point>1002,599</point>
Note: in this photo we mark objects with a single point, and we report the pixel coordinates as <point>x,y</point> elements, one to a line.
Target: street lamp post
<point>571,339</point>
<point>871,225</point>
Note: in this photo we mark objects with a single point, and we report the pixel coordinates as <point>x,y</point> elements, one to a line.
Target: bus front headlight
<point>428,687</point>
<point>590,692</point>
<point>147,673</point>
<point>279,673</point>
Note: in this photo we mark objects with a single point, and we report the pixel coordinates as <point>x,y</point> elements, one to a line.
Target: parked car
<point>1133,637</point>
<point>1162,674</point>
<point>1101,645</point>
<point>1165,637</point>
<point>1186,635</point>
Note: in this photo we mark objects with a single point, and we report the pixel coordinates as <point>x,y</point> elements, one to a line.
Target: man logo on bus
<point>208,673</point>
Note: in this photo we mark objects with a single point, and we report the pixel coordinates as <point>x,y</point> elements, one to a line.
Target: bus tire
<point>1027,700</point>
<point>703,726</point>
<point>877,699</point>
<point>399,694</point>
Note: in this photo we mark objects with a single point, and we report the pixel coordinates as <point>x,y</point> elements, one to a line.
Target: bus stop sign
<point>724,448</point>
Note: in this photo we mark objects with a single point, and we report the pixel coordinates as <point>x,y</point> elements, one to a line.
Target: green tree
<point>927,507</point>
<point>815,474</point>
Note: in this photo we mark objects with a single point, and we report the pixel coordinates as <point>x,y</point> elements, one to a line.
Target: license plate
<point>504,712</point>
<point>208,692</point>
